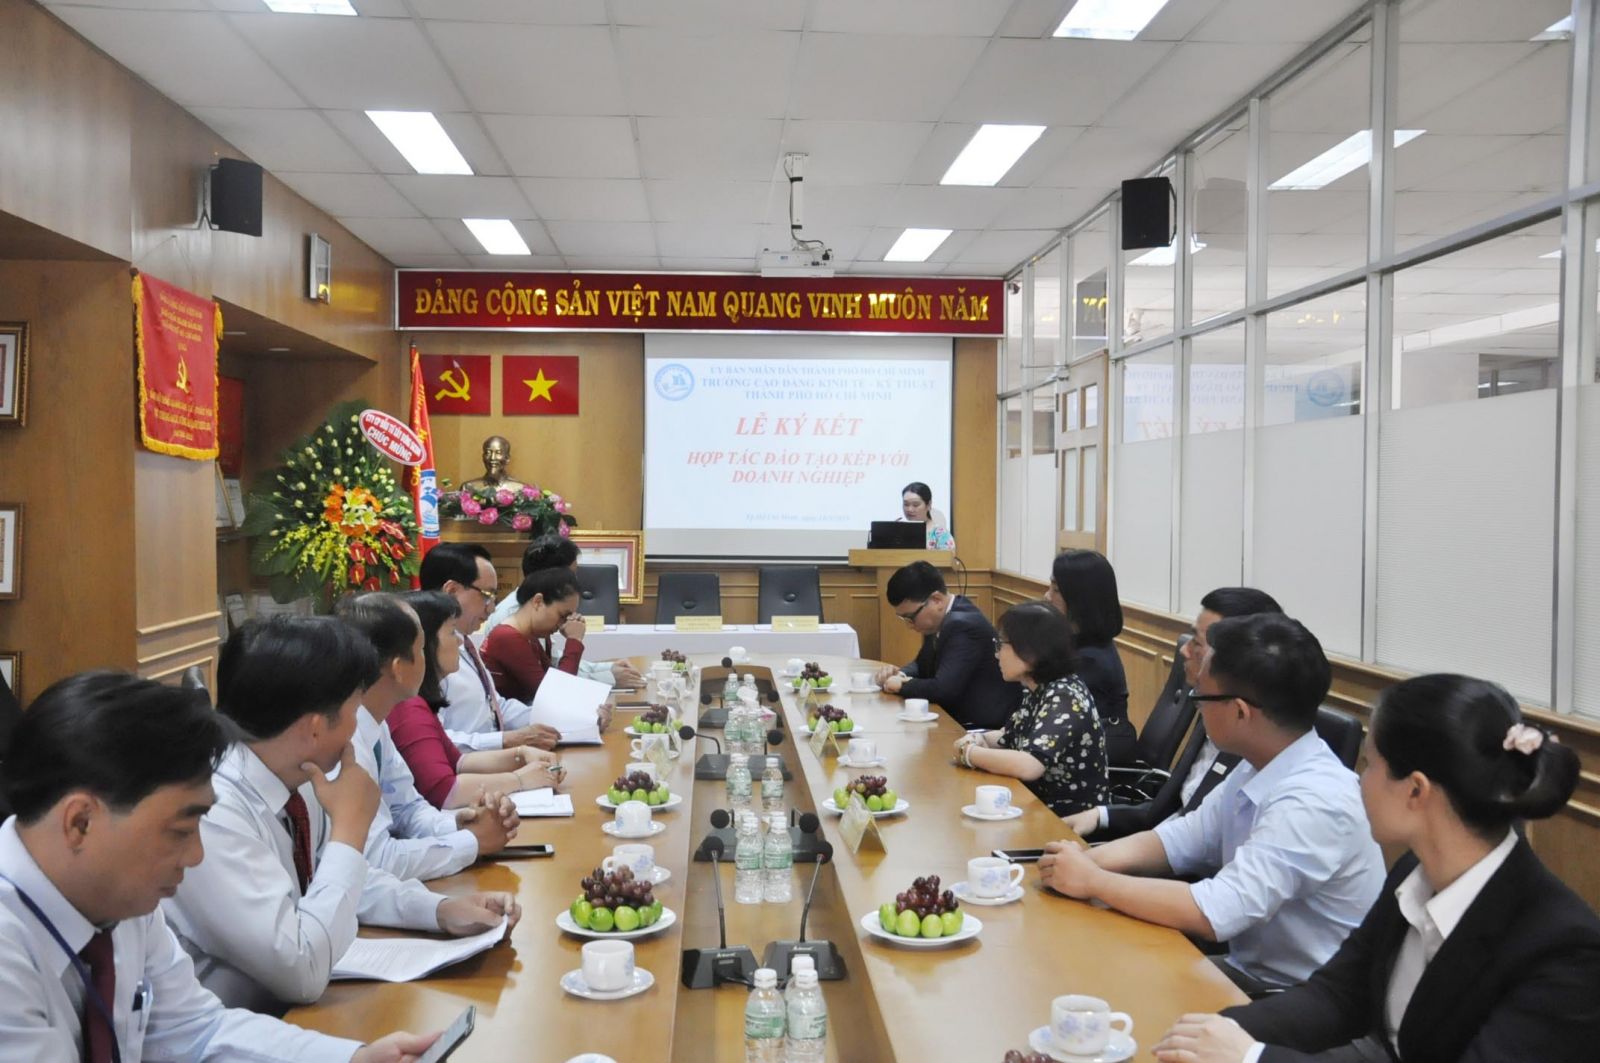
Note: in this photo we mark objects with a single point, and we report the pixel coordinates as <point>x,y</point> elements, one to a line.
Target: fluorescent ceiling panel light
<point>1557,31</point>
<point>1109,20</point>
<point>992,151</point>
<point>422,140</point>
<point>1350,154</point>
<point>311,7</point>
<point>1166,256</point>
<point>915,245</point>
<point>498,236</point>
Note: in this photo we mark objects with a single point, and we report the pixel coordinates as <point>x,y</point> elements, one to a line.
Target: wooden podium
<point>897,643</point>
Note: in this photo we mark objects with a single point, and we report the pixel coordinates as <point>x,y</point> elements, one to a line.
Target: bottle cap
<point>766,978</point>
<point>801,962</point>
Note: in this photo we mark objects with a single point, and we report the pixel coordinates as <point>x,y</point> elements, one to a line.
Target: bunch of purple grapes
<point>634,780</point>
<point>654,714</point>
<point>925,899</point>
<point>875,786</point>
<point>1017,1056</point>
<point>828,714</point>
<point>813,671</point>
<point>675,656</point>
<point>613,889</point>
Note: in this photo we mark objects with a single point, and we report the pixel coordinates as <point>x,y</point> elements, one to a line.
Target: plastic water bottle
<point>807,1041</point>
<point>730,689</point>
<point>747,861</point>
<point>772,786</point>
<point>750,713</point>
<point>797,962</point>
<point>738,781</point>
<point>765,1016</point>
<point>777,862</point>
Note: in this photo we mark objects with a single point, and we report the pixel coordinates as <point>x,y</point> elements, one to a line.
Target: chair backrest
<point>789,590</point>
<point>1169,719</point>
<point>687,594</point>
<point>10,716</point>
<point>1342,732</point>
<point>597,590</point>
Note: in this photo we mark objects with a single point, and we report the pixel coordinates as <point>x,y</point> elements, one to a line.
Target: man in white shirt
<point>1288,860</point>
<point>409,837</point>
<point>293,686</point>
<point>110,776</point>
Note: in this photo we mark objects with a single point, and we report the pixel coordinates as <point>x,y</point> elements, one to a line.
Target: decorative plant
<point>527,509</point>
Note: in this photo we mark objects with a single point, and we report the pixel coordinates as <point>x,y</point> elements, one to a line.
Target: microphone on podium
<point>706,968</point>
<point>710,765</point>
<point>780,954</point>
<point>721,830</point>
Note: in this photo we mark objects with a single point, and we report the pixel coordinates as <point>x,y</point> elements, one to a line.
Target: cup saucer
<point>875,762</point>
<point>908,718</point>
<point>1117,1049</point>
<point>573,983</point>
<point>974,812</point>
<point>965,895</point>
<point>610,827</point>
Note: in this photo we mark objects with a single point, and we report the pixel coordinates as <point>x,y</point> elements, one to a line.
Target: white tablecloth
<point>635,640</point>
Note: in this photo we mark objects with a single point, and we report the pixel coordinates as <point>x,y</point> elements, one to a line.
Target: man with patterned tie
<point>110,776</point>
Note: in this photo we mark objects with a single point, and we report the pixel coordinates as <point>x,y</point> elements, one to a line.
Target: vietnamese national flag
<point>423,479</point>
<point>538,384</point>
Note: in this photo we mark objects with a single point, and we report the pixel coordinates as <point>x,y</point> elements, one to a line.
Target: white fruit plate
<point>971,927</point>
<point>900,805</point>
<point>628,730</point>
<point>857,729</point>
<point>668,917</point>
<point>673,801</point>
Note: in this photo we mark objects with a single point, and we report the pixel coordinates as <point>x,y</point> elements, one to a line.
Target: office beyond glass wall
<point>1364,375</point>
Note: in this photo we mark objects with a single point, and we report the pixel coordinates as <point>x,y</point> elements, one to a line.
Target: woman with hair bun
<point>1474,951</point>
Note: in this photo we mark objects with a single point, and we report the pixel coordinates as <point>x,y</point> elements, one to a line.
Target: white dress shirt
<point>475,715</point>
<point>409,837</point>
<point>41,1009</point>
<point>256,941</point>
<point>1292,864</point>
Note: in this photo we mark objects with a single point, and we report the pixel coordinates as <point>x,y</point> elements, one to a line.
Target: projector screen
<point>788,446</point>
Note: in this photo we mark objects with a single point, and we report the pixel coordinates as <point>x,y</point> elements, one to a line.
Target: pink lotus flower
<point>564,530</point>
<point>470,506</point>
<point>504,497</point>
<point>521,522</point>
<point>530,492</point>
<point>563,506</point>
<point>489,515</point>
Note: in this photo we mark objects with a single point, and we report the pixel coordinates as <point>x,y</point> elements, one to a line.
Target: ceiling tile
<point>1103,157</point>
<point>1046,208</point>
<point>461,238</point>
<point>483,261</point>
<point>424,261</point>
<point>642,263</point>
<point>880,77</point>
<point>726,149</point>
<point>857,152</point>
<point>708,265</point>
<point>1185,87</point>
<point>603,238</point>
<point>1005,247</point>
<point>574,199</point>
<point>1054,82</point>
<point>708,73</point>
<point>1261,21</point>
<point>398,237</point>
<point>828,207</point>
<point>550,146</point>
<point>448,196</point>
<point>945,207</point>
<point>687,240</point>
<point>284,140</point>
<point>568,70</point>
<point>953,18</point>
<point>710,200</point>
<point>711,14</point>
<point>350,195</point>
<point>542,12</point>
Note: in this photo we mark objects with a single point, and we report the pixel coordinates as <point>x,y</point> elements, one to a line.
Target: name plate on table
<point>859,828</point>
<point>796,623</point>
<point>593,625</point>
<point>697,623</point>
<point>822,739</point>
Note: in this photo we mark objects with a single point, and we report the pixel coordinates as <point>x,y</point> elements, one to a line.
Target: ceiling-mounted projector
<point>797,263</point>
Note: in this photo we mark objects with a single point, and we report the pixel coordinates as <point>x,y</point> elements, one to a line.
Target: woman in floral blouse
<point>1053,742</point>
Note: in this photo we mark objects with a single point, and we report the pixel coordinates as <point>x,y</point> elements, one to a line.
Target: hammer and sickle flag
<point>456,383</point>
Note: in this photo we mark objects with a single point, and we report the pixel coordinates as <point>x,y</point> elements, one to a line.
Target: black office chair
<point>1342,732</point>
<point>687,594</point>
<point>597,590</point>
<point>1159,739</point>
<point>789,590</point>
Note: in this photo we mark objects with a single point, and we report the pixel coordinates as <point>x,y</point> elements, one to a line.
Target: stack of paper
<point>407,959</point>
<point>571,705</point>
<point>542,802</point>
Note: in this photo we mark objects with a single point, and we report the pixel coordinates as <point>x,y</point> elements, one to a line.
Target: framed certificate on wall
<point>625,549</point>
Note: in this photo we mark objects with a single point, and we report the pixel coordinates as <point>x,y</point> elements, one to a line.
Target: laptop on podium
<point>898,535</point>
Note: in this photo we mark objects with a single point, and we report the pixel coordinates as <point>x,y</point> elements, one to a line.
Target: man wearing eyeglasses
<point>956,668</point>
<point>1284,842</point>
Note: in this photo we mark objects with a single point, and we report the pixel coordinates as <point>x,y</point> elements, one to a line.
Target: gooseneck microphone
<point>710,766</point>
<point>705,968</point>
<point>758,762</point>
<point>780,954</point>
<point>721,830</point>
<point>805,839</point>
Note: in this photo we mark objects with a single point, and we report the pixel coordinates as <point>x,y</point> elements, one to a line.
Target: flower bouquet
<point>526,509</point>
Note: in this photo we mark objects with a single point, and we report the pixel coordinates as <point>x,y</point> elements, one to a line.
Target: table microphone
<point>710,765</point>
<point>758,762</point>
<point>780,954</point>
<point>806,841</point>
<point>721,830</point>
<point>710,717</point>
<point>707,968</point>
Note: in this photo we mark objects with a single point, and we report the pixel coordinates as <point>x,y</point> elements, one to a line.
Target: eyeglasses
<point>912,616</point>
<point>1000,642</point>
<point>488,596</point>
<point>1195,695</point>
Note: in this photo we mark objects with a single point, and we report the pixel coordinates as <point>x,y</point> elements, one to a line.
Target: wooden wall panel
<point>973,431</point>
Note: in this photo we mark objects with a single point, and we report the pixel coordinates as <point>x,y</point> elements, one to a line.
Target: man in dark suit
<point>956,668</point>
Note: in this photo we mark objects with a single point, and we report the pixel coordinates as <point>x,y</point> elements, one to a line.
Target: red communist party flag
<point>456,383</point>
<point>538,384</point>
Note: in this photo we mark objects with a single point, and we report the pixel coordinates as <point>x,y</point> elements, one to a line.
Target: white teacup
<point>608,965</point>
<point>863,751</point>
<point>861,681</point>
<point>795,665</point>
<point>633,819</point>
<point>990,876</point>
<point>993,800</point>
<point>637,856</point>
<point>1081,1026</point>
<point>917,706</point>
<point>642,745</point>
<point>662,668</point>
<point>738,654</point>
<point>642,765</point>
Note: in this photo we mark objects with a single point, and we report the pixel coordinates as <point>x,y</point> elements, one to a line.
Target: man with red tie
<point>110,776</point>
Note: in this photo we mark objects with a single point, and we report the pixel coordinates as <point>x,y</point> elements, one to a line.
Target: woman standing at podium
<point>916,504</point>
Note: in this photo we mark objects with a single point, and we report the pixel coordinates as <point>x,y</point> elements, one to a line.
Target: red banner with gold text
<point>698,302</point>
<point>176,335</point>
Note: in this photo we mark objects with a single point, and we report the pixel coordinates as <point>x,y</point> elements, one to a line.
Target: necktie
<point>377,757</point>
<point>98,1036</point>
<point>300,831</point>
<point>483,677</point>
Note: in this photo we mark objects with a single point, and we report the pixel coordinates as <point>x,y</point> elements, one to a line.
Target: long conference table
<point>968,1002</point>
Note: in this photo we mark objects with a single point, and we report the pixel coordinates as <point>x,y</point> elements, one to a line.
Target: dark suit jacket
<point>1100,668</point>
<point>1518,981</point>
<point>1123,820</point>
<point>957,670</point>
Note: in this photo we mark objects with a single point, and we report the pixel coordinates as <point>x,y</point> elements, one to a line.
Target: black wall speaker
<point>1147,213</point>
<point>236,197</point>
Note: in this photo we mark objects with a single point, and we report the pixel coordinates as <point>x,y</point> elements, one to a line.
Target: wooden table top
<point>967,1002</point>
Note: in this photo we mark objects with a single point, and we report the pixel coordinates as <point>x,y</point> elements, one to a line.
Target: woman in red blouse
<point>444,775</point>
<point>517,652</point>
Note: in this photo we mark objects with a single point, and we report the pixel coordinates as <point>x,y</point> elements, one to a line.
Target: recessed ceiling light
<point>915,245</point>
<point>1165,256</point>
<point>1109,20</point>
<point>498,236</point>
<point>1556,31</point>
<point>422,140</point>
<point>1350,154</point>
<point>311,7</point>
<point>992,151</point>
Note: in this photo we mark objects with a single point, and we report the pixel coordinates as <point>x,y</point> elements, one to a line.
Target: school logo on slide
<point>674,382</point>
